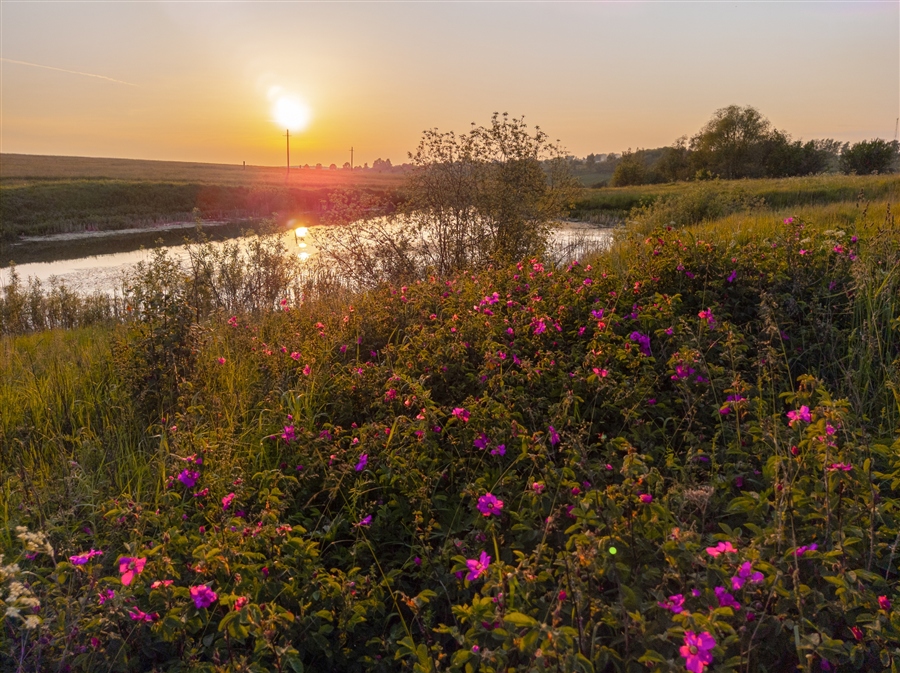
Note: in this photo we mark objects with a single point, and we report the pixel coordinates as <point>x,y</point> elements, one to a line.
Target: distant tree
<point>674,163</point>
<point>332,167</point>
<point>381,164</point>
<point>346,166</point>
<point>630,170</point>
<point>785,158</point>
<point>733,143</point>
<point>590,160</point>
<point>870,156</point>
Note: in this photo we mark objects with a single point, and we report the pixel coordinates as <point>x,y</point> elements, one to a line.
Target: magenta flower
<point>836,467</point>
<point>674,603</point>
<point>538,487</point>
<point>477,567</point>
<point>461,414</point>
<point>802,414</point>
<point>289,435</point>
<point>365,521</point>
<point>745,574</point>
<point>203,596</point>
<point>81,559</point>
<point>708,316</point>
<point>884,603</point>
<point>721,548</point>
<point>295,355</point>
<point>733,276</point>
<point>696,650</point>
<point>221,361</point>
<point>481,442</point>
<point>140,616</point>
<point>161,584</point>
<point>489,504</point>
<point>129,567</point>
<point>554,436</point>
<point>789,220</point>
<point>646,498</point>
<point>800,551</point>
<point>499,450</point>
<point>726,600</point>
<point>189,477</point>
<point>363,461</point>
<point>226,501</point>
<point>106,595</point>
<point>642,340</point>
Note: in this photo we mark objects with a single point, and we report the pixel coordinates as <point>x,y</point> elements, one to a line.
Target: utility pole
<point>896,128</point>
<point>351,157</point>
<point>288,136</point>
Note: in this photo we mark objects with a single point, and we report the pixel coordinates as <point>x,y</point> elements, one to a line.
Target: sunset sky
<point>197,81</point>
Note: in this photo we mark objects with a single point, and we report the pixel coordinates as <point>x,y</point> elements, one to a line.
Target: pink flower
<point>481,442</point>
<point>203,596</point>
<point>221,361</point>
<point>801,414</point>
<point>857,633</point>
<point>161,583</point>
<point>240,602</point>
<point>189,477</point>
<point>708,316</point>
<point>461,414</point>
<point>289,434</point>
<point>106,595</point>
<point>477,567</point>
<point>646,498</point>
<point>226,501</point>
<point>363,461</point>
<point>129,567</point>
<point>726,600</point>
<point>789,220</point>
<point>673,603</point>
<point>365,521</point>
<point>489,504</point>
<point>499,450</point>
<point>306,370</point>
<point>140,616</point>
<point>721,548</point>
<point>884,603</point>
<point>835,467</point>
<point>538,487</point>
<point>800,551</point>
<point>696,650</point>
<point>81,559</point>
<point>295,355</point>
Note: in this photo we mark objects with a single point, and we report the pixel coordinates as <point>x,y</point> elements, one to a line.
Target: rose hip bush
<point>647,462</point>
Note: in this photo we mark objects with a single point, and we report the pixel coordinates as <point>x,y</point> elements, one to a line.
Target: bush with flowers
<point>658,460</point>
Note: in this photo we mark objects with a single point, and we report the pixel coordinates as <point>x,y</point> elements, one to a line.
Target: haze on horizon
<point>195,81</point>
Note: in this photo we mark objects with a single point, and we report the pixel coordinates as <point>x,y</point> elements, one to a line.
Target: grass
<point>732,384</point>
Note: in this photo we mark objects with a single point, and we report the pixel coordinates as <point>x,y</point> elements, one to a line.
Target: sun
<point>291,113</point>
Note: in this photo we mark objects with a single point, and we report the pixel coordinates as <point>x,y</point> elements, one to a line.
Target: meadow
<point>48,195</point>
<point>682,453</point>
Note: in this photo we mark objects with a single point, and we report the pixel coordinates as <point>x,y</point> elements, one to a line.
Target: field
<point>47,195</point>
<point>680,454</point>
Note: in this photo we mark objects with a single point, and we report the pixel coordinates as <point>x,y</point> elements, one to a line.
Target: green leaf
<point>520,620</point>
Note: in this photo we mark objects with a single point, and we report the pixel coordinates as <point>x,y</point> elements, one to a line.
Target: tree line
<point>739,142</point>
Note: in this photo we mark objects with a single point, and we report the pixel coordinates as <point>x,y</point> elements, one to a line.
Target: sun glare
<point>291,113</point>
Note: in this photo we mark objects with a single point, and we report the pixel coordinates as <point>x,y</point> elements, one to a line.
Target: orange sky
<point>194,79</point>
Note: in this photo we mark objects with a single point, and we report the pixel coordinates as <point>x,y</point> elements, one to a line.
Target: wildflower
<point>481,442</point>
<point>726,600</point>
<point>499,450</point>
<point>240,602</point>
<point>884,603</point>
<point>295,355</point>
<point>721,548</point>
<point>789,220</point>
<point>539,326</point>
<point>554,436</point>
<point>203,596</point>
<point>104,596</point>
<point>857,633</point>
<point>289,434</point>
<point>363,461</point>
<point>696,650</point>
<point>477,567</point>
<point>489,504</point>
<point>708,316</point>
<point>731,278</point>
<point>221,361</point>
<point>306,370</point>
<point>801,414</point>
<point>646,498</point>
<point>161,583</point>
<point>129,567</point>
<point>538,487</point>
<point>226,501</point>
<point>642,340</point>
<point>140,616</point>
<point>745,574</point>
<point>461,414</point>
<point>800,551</point>
<point>81,559</point>
<point>674,603</point>
<point>189,477</point>
<point>835,467</point>
<point>365,521</point>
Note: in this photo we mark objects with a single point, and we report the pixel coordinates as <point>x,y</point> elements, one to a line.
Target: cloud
<point>72,72</point>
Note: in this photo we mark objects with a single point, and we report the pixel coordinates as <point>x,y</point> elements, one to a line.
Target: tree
<point>487,196</point>
<point>675,162</point>
<point>733,143</point>
<point>630,170</point>
<point>870,156</point>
